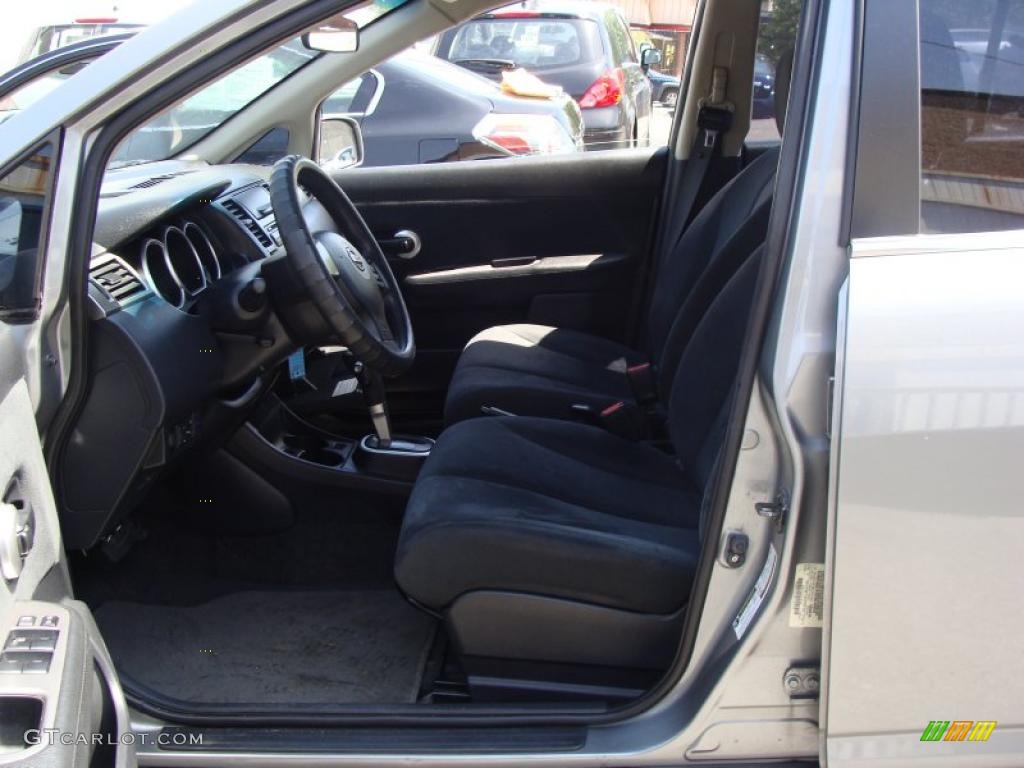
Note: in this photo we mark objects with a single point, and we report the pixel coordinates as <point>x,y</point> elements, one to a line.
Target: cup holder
<point>316,449</point>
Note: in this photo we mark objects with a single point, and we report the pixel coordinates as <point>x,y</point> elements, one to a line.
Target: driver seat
<point>554,543</point>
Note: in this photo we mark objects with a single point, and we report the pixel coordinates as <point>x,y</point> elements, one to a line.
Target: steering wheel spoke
<point>341,268</point>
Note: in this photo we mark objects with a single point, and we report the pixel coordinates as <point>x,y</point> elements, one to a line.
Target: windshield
<point>178,128</point>
<point>183,125</point>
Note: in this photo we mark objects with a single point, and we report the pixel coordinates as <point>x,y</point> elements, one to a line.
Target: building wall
<point>658,13</point>
<point>665,24</point>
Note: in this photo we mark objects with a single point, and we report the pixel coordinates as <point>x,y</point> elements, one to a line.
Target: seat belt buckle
<point>641,381</point>
<point>624,419</point>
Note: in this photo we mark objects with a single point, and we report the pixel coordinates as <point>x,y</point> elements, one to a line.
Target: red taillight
<point>606,91</point>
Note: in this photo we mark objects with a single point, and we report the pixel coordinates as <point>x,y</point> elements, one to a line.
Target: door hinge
<point>774,510</point>
<point>802,682</point>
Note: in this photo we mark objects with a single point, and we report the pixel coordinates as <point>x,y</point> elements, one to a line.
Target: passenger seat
<point>535,370</point>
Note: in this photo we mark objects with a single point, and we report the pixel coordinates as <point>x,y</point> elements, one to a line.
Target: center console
<point>284,446</point>
<point>284,443</point>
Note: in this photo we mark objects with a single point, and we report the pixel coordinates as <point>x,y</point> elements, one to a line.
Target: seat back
<point>699,394</point>
<point>737,211</point>
<point>712,229</point>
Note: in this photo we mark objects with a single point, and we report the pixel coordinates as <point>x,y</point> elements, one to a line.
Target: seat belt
<point>714,119</point>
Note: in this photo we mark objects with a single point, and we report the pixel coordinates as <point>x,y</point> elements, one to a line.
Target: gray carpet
<point>338,647</point>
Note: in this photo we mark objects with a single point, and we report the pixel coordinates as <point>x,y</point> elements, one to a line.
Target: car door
<point>924,660</point>
<point>60,701</point>
<point>551,240</point>
<point>24,84</point>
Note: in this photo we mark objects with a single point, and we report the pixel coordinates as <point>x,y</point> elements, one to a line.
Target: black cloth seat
<point>570,511</point>
<point>540,371</point>
<point>535,370</point>
<point>548,507</point>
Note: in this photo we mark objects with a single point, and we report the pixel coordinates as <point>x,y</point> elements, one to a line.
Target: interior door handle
<point>406,244</point>
<point>16,536</point>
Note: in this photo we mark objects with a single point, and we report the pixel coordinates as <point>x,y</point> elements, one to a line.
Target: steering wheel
<point>340,268</point>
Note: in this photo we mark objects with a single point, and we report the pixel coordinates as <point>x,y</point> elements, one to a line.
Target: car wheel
<point>669,98</point>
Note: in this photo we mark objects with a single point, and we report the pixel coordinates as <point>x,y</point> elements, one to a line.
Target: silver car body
<point>917,524</point>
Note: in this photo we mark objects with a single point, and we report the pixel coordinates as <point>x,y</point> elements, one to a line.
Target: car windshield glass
<point>533,43</point>
<point>180,127</point>
<point>186,123</point>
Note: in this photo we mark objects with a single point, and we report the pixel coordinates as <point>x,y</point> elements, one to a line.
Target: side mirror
<point>341,143</point>
<point>649,56</point>
<point>334,35</point>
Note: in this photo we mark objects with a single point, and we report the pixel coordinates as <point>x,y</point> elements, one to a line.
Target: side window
<point>30,92</point>
<point>618,34</point>
<point>525,80</point>
<point>775,40</point>
<point>268,149</point>
<point>972,115</point>
<point>24,195</point>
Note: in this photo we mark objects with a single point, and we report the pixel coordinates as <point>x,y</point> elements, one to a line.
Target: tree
<point>778,32</point>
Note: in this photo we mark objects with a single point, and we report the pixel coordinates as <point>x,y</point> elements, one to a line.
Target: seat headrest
<point>783,73</point>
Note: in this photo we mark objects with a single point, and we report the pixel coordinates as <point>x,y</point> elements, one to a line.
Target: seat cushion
<point>551,508</point>
<point>536,370</point>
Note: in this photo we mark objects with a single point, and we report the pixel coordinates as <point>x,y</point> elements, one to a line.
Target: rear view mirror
<point>334,35</point>
<point>341,143</point>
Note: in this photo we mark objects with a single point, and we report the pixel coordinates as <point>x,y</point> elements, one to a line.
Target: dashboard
<point>177,232</point>
<point>176,245</point>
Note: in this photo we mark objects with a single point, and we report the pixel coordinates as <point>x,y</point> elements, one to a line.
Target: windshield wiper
<point>117,165</point>
<point>489,63</point>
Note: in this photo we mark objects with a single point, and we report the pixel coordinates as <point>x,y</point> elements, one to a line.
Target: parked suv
<point>585,49</point>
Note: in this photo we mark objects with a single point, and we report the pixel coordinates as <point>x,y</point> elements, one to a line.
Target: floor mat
<point>336,647</point>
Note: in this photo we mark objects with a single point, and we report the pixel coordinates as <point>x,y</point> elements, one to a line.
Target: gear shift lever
<point>384,454</point>
<point>376,402</point>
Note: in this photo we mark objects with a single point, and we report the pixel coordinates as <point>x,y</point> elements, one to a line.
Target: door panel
<point>67,686</point>
<point>550,240</point>
<point>928,521</point>
<point>57,685</point>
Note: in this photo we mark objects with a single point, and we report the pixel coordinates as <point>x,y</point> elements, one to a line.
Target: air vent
<point>116,279</point>
<point>249,223</point>
<point>158,180</point>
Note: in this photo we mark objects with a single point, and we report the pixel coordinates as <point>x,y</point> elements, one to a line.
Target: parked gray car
<point>585,48</point>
